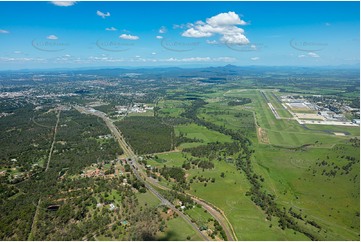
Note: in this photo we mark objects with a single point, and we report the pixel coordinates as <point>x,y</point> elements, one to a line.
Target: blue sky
<point>93,34</point>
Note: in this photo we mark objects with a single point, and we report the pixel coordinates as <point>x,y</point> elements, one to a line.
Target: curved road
<point>213,210</point>
<point>165,201</point>
<point>129,152</point>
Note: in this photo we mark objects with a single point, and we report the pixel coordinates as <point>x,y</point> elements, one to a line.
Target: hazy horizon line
<point>346,66</point>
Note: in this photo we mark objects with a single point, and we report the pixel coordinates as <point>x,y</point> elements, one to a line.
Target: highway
<point>213,210</point>
<point>134,165</point>
<point>166,202</point>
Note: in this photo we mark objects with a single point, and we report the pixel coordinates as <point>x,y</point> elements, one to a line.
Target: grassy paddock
<point>297,181</point>
<point>228,193</point>
<point>178,230</point>
<point>202,133</point>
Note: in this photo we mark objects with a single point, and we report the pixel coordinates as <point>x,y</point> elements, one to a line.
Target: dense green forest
<point>147,134</point>
<point>25,141</point>
<point>239,101</point>
<point>76,147</point>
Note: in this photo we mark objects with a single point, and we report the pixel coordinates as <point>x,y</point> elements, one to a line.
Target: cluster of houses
<point>112,207</point>
<point>5,114</point>
<point>95,173</point>
<point>98,171</point>
<point>106,136</point>
<point>136,108</point>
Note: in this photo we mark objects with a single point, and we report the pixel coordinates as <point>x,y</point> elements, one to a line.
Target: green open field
<point>177,229</point>
<point>199,215</point>
<point>147,199</point>
<point>228,193</point>
<point>351,131</point>
<point>169,159</point>
<point>316,181</point>
<point>199,132</point>
<point>232,117</point>
<point>171,108</point>
<point>246,218</point>
<point>297,181</point>
<point>296,177</point>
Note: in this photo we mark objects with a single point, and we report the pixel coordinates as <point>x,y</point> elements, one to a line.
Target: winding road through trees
<point>135,166</point>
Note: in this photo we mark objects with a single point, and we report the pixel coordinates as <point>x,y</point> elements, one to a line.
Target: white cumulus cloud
<point>52,37</point>
<point>129,37</point>
<point>111,29</point>
<point>63,3</point>
<point>197,32</point>
<point>103,15</point>
<point>224,19</point>
<point>162,30</point>
<point>201,59</point>
<point>235,38</point>
<point>313,55</point>
<point>211,42</point>
<point>309,54</point>
<point>159,37</point>
<point>21,59</point>
<point>179,26</point>
<point>255,58</point>
<point>224,24</point>
<point>225,59</point>
<point>3,31</point>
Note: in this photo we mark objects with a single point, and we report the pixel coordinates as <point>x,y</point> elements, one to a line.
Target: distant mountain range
<point>227,69</point>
